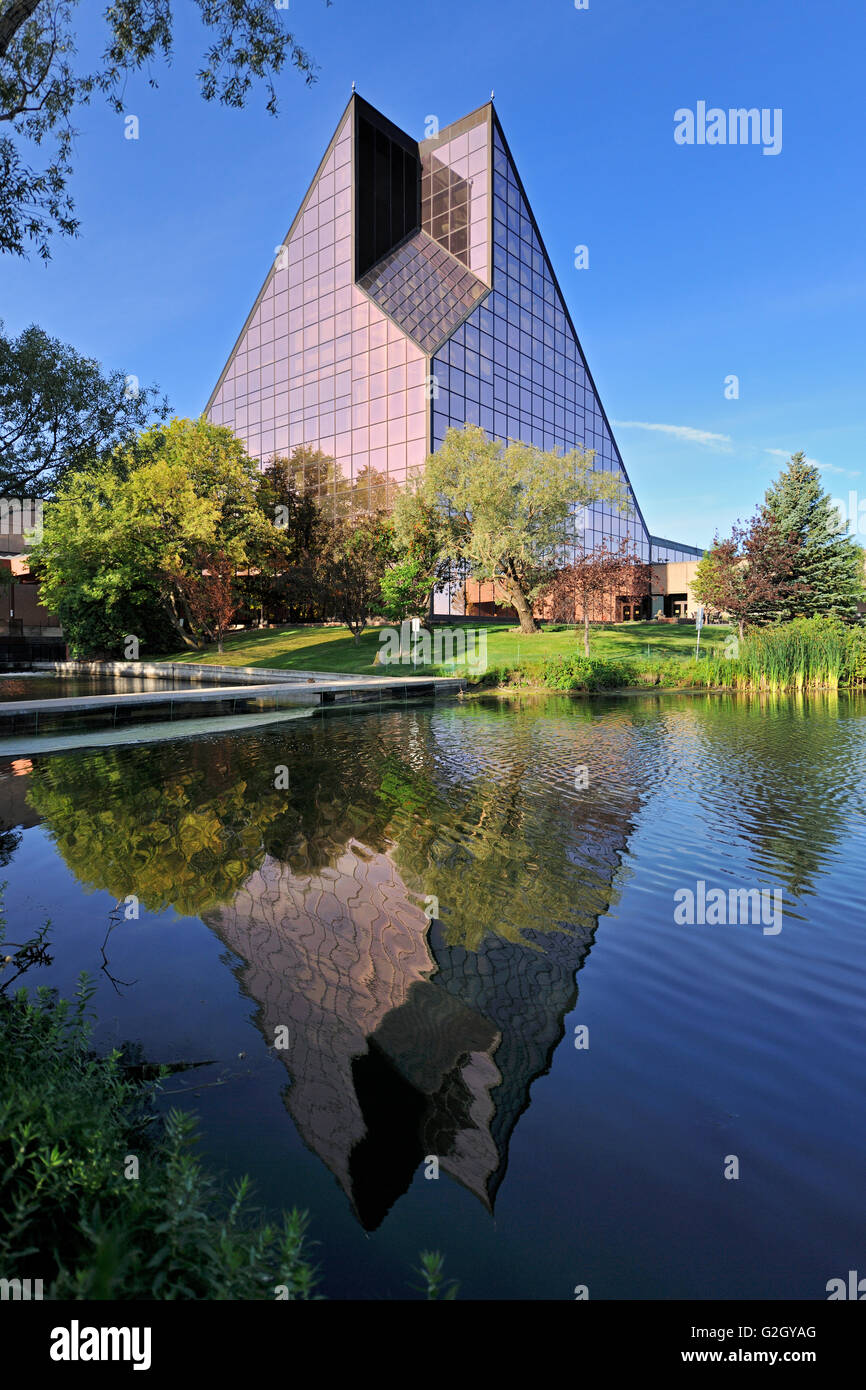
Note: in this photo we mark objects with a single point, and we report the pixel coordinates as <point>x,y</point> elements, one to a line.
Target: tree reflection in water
<point>403,1038</point>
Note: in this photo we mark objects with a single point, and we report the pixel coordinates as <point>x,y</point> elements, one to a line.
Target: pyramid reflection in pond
<point>399,1046</point>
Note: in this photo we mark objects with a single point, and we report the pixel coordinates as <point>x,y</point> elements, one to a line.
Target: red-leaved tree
<point>748,574</point>
<point>591,584</point>
<point>210,594</point>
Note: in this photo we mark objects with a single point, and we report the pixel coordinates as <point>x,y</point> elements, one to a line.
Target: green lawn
<point>332,649</point>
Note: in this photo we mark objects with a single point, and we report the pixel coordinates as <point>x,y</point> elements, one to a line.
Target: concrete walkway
<point>315,690</point>
<point>34,719</point>
<point>195,673</point>
<point>28,745</point>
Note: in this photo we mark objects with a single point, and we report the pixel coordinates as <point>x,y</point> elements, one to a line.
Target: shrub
<point>577,672</point>
<point>69,1120</point>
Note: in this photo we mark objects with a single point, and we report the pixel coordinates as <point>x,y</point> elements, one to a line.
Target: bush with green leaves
<point>577,672</point>
<point>434,1284</point>
<point>76,1214</point>
<point>69,1123</point>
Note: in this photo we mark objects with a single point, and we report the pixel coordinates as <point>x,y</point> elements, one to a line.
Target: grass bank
<point>805,654</point>
<point>332,649</point>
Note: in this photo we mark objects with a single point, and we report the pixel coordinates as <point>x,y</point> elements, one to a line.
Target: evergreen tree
<point>828,562</point>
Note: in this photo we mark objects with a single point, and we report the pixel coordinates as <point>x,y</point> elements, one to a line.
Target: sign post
<point>699,622</point>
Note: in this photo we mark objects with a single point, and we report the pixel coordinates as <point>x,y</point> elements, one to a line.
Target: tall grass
<point>806,654</point>
<point>794,656</point>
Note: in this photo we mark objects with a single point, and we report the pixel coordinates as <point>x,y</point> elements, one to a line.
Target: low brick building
<point>22,615</point>
<point>671,597</point>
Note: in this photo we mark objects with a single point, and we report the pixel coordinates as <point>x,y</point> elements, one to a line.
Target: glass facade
<point>318,363</point>
<point>424,289</point>
<point>458,320</point>
<point>387,186</point>
<point>455,190</point>
<point>663,551</point>
<point>515,366</point>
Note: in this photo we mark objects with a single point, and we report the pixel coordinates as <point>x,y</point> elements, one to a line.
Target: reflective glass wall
<point>515,368</point>
<point>319,364</point>
<point>671,550</point>
<point>324,366</point>
<point>455,181</point>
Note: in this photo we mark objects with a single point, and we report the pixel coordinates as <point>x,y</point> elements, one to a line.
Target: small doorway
<point>629,612</point>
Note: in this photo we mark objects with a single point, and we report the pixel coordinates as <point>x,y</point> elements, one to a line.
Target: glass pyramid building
<point>411,293</point>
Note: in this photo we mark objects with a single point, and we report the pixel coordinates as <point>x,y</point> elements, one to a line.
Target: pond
<point>23,686</point>
<point>456,932</point>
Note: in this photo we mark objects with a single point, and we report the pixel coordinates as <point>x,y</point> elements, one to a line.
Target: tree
<point>715,580</point>
<point>405,588</point>
<point>369,491</point>
<point>184,833</point>
<point>416,537</point>
<point>210,594</point>
<point>828,565</point>
<point>351,563</point>
<point>186,825</point>
<point>505,511</point>
<point>748,574</point>
<point>281,573</point>
<point>60,411</point>
<point>119,535</point>
<point>635,577</point>
<point>314,473</point>
<point>41,86</point>
<point>593,579</point>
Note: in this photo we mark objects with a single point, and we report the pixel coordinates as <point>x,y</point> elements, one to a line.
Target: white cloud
<point>824,467</point>
<point>687,433</point>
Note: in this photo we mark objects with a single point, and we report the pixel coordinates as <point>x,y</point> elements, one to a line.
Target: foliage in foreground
<point>432,1272</point>
<point>69,1122</point>
<point>42,86</point>
<point>72,1214</point>
<point>60,411</point>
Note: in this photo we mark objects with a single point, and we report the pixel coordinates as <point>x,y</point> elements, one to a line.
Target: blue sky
<point>705,261</point>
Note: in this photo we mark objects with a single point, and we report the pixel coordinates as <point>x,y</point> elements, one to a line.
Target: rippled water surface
<point>390,929</point>
<point>30,687</point>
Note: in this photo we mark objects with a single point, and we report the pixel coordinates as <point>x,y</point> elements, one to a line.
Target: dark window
<point>387,191</point>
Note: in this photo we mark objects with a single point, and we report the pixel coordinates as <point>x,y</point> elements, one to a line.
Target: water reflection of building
<point>399,1046</point>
